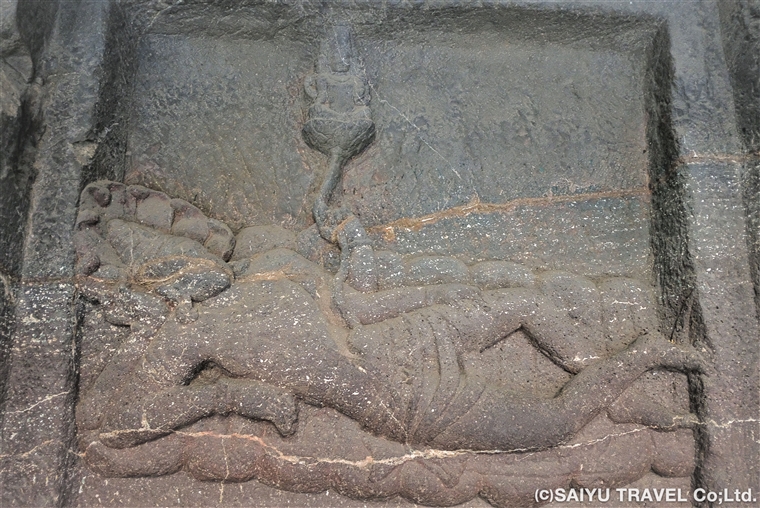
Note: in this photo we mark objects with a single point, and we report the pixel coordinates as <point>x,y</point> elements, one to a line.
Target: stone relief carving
<point>245,361</point>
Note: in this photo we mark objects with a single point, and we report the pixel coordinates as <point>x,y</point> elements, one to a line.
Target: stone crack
<point>28,452</point>
<point>429,453</point>
<point>476,206</point>
<point>41,401</point>
<point>415,126</point>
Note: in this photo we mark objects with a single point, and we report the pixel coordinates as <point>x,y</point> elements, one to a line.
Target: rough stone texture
<point>427,369</point>
<point>741,42</point>
<point>741,39</point>
<point>723,278</point>
<point>600,158</point>
<point>13,79</point>
<point>37,418</point>
<point>461,146</point>
<point>15,72</point>
<point>7,323</point>
<point>41,379</point>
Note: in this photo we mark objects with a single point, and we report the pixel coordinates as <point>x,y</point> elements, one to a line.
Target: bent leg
<point>156,399</point>
<point>567,342</point>
<point>150,399</point>
<point>499,421</point>
<point>161,413</point>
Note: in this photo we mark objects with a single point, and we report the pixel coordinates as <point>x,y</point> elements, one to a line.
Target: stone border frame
<point>707,246</point>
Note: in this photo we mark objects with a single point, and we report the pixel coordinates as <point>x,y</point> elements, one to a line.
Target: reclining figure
<point>259,335</point>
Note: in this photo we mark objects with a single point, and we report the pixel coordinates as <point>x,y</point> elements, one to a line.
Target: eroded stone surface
<point>443,254</point>
<point>421,365</point>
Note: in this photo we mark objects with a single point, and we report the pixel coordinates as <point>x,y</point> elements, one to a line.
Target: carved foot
<point>663,353</point>
<point>254,399</point>
<point>654,415</point>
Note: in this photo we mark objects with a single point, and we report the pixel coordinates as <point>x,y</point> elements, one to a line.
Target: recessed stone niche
<point>381,253</point>
<point>471,105</point>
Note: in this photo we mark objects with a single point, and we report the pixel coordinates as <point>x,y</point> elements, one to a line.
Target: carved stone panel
<point>329,255</point>
<point>437,344</point>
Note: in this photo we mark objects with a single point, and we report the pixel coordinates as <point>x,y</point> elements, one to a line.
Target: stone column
<point>41,383</point>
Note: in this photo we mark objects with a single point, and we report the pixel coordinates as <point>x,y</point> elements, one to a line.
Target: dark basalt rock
<point>440,253</point>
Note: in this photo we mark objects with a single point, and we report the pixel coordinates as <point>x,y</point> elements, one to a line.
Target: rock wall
<point>376,180</point>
